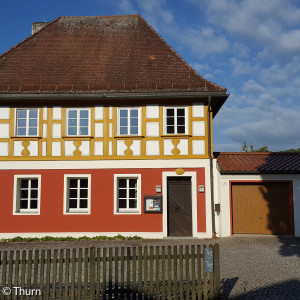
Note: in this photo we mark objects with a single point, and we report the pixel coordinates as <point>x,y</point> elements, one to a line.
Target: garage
<point>261,208</point>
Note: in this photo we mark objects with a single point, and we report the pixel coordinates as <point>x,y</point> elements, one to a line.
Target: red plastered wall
<point>102,217</point>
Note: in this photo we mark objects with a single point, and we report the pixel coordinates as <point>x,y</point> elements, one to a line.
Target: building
<point>104,129</point>
<point>258,193</point>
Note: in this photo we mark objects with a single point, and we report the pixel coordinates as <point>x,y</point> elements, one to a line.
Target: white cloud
<point>252,87</point>
<point>127,7</point>
<point>204,41</point>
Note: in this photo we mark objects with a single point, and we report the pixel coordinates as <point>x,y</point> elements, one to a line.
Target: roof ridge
<point>29,37</point>
<point>175,52</point>
<point>107,16</point>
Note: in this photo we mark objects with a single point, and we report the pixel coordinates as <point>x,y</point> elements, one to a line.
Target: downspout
<point>213,221</point>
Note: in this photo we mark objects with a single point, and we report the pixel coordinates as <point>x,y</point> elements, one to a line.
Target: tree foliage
<point>251,148</point>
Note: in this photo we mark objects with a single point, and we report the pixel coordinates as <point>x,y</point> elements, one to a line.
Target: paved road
<point>252,267</point>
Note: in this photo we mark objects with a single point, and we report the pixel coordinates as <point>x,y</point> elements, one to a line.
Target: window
<point>129,121</point>
<point>127,193</point>
<point>77,194</point>
<point>176,120</point>
<point>27,194</point>
<point>78,121</point>
<point>27,122</point>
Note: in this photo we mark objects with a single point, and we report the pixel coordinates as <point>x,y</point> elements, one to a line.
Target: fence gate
<point>184,272</point>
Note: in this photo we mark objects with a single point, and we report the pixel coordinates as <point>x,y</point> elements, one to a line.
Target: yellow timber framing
<point>107,137</point>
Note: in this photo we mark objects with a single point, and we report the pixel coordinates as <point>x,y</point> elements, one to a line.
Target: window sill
<point>29,213</point>
<point>133,212</point>
<point>131,137</point>
<point>178,136</point>
<point>77,213</point>
<point>21,138</point>
<point>78,137</point>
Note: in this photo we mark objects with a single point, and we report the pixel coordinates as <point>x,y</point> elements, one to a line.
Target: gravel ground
<point>252,267</point>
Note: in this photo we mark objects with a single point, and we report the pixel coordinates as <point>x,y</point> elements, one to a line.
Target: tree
<point>251,148</point>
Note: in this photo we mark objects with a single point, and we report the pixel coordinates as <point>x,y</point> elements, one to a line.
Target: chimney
<point>36,26</point>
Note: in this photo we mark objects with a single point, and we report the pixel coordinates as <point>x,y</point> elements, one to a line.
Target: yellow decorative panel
<point>52,142</point>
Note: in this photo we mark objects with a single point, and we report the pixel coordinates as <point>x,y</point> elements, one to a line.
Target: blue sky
<point>250,47</point>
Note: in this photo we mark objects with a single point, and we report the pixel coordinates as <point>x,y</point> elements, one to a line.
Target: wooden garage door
<point>261,208</point>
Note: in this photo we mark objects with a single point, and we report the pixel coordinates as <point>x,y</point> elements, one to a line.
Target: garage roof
<point>258,162</point>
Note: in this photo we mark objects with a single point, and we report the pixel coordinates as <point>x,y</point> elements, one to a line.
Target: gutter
<point>213,220</point>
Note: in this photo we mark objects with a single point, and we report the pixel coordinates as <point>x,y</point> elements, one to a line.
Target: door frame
<point>193,176</point>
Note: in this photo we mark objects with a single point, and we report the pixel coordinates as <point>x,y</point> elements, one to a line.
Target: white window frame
<point>27,121</point>
<point>139,120</point>
<point>127,211</point>
<point>16,203</point>
<point>78,109</point>
<point>76,211</point>
<point>186,111</point>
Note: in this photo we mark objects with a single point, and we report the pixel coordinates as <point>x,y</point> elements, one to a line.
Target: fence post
<point>216,271</point>
<point>92,273</point>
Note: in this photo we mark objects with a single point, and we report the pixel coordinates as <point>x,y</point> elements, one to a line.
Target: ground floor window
<point>77,194</point>
<point>128,193</point>
<point>27,194</point>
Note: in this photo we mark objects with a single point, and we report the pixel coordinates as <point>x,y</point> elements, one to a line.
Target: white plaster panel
<point>44,130</point>
<point>3,149</point>
<point>4,130</point>
<point>121,147</point>
<point>33,148</point>
<point>56,149</point>
<point>18,148</point>
<point>152,148</point>
<point>98,112</point>
<point>183,146</point>
<point>44,149</point>
<point>57,113</point>
<point>152,111</point>
<point>110,112</point>
<point>45,113</point>
<point>136,148</point>
<point>168,147</point>
<point>199,128</point>
<point>4,112</point>
<point>69,148</point>
<point>198,110</point>
<point>85,148</point>
<point>56,131</point>
<point>98,129</point>
<point>198,147</point>
<point>152,129</point>
<point>110,130</point>
<point>98,148</point>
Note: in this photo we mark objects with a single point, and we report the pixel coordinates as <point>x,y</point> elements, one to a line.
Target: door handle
<point>176,209</point>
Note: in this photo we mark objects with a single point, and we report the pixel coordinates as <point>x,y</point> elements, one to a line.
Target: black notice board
<point>153,204</point>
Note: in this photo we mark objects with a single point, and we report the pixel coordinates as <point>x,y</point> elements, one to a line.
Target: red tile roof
<point>110,53</point>
<point>258,162</point>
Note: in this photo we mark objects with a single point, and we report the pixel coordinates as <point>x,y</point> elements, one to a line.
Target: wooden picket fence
<point>110,273</point>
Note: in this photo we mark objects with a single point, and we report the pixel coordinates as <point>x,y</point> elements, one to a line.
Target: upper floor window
<point>176,120</point>
<point>27,194</point>
<point>77,193</point>
<point>129,120</point>
<point>78,121</point>
<point>27,122</point>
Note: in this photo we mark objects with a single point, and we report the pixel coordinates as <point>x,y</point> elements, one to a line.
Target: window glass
<point>27,195</point>
<point>127,193</point>
<point>27,122</point>
<point>129,121</point>
<point>175,120</point>
<point>77,195</point>
<point>78,121</point>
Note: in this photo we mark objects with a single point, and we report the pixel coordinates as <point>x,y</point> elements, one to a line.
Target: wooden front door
<point>261,208</point>
<point>179,206</point>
